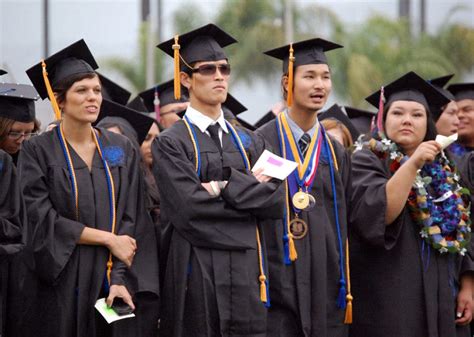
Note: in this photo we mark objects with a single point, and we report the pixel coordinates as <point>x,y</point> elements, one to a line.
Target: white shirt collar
<point>202,121</point>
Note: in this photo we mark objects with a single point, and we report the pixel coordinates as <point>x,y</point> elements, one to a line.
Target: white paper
<point>446,141</point>
<point>108,313</point>
<point>274,166</point>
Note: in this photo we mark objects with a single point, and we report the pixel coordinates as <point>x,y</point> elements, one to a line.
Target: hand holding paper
<point>446,141</point>
<point>274,166</point>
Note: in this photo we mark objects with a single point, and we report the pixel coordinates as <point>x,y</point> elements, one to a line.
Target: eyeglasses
<point>13,135</point>
<point>210,69</point>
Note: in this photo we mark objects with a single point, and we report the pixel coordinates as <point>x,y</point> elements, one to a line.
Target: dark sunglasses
<point>210,69</point>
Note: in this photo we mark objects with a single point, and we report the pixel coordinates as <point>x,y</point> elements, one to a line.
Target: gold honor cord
<point>110,184</point>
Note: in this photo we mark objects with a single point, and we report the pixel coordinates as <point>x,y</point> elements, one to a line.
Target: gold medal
<point>298,228</point>
<point>300,200</point>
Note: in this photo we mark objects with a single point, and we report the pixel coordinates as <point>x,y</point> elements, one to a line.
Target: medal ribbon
<point>264,295</point>
<point>110,185</point>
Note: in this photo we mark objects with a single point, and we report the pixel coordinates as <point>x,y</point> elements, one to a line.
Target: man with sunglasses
<point>310,287</point>
<point>214,256</point>
<point>17,116</point>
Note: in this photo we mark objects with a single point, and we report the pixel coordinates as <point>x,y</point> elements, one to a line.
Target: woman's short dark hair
<point>430,125</point>
<point>65,84</point>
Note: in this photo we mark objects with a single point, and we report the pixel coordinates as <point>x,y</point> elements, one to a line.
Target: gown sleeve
<point>203,220</point>
<point>245,193</point>
<point>369,202</point>
<point>51,236</point>
<point>12,210</point>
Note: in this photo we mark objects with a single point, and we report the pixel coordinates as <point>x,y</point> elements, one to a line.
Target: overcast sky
<point>110,27</point>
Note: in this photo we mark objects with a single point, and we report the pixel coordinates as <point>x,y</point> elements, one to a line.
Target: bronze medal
<point>298,228</point>
<point>300,200</point>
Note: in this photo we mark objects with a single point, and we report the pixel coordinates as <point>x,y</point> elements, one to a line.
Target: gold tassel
<point>52,98</point>
<point>349,298</point>
<point>263,289</point>
<point>291,60</point>
<point>109,268</point>
<point>291,243</point>
<point>348,318</point>
<point>177,82</point>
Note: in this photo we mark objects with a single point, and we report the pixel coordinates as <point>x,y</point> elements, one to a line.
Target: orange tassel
<point>52,98</point>
<point>263,289</point>
<point>348,318</point>
<point>293,253</point>
<point>291,60</point>
<point>349,298</point>
<point>177,82</point>
<point>109,267</point>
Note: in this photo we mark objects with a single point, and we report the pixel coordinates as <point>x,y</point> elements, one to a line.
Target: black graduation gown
<point>68,278</point>
<point>211,283</point>
<point>12,220</point>
<point>304,293</point>
<point>397,291</point>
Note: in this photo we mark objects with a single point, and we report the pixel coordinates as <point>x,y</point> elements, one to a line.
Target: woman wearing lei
<point>410,219</point>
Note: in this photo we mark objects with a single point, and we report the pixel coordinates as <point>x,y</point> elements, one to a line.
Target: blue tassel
<point>267,303</point>
<point>286,250</point>
<point>341,298</point>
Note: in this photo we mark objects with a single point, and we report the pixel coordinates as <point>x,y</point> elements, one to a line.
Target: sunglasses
<point>210,69</point>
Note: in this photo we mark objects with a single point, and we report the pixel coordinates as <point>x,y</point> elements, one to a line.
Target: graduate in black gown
<point>410,223</point>
<point>17,116</point>
<point>215,278</point>
<point>307,259</point>
<point>135,126</point>
<point>80,186</point>
<point>12,236</point>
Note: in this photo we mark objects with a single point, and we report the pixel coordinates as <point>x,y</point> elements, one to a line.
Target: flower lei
<point>443,213</point>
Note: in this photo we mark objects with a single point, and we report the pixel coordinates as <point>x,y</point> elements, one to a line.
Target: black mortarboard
<point>462,91</point>
<point>233,105</point>
<point>361,119</point>
<point>2,72</point>
<point>137,104</point>
<point>410,87</point>
<point>202,44</point>
<point>264,119</point>
<point>310,51</point>
<point>439,83</point>
<point>140,122</point>
<point>336,112</point>
<point>165,95</point>
<point>305,52</point>
<point>17,102</point>
<point>74,59</point>
<point>113,92</point>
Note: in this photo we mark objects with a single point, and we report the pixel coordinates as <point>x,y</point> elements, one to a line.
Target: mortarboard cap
<point>336,112</point>
<point>202,44</point>
<point>361,119</point>
<point>140,122</point>
<point>410,87</point>
<point>113,92</point>
<point>137,105</point>
<point>2,72</point>
<point>233,105</point>
<point>439,83</point>
<point>462,91</point>
<point>310,51</point>
<point>17,102</point>
<point>74,59</point>
<point>305,52</point>
<point>165,95</point>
